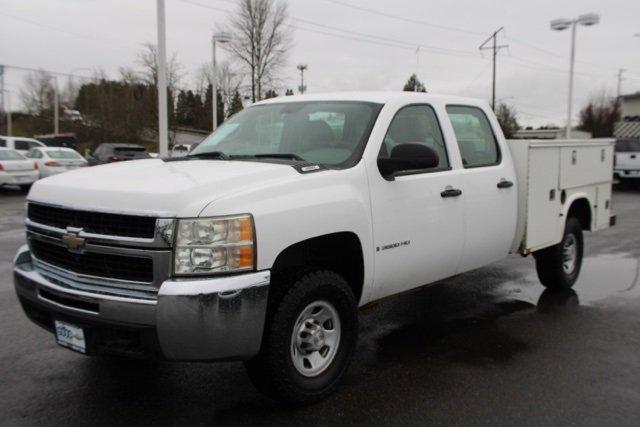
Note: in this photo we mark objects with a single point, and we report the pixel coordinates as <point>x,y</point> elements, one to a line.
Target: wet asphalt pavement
<point>486,347</point>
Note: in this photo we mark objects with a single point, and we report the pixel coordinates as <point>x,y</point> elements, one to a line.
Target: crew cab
<point>262,243</point>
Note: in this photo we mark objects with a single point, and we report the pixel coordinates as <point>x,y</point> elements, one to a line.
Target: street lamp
<point>219,37</point>
<point>587,19</point>
<point>302,88</point>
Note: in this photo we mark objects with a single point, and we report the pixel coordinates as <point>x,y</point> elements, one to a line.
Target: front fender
<point>308,206</point>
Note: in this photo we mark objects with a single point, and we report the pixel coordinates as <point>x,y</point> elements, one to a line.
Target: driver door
<point>418,223</point>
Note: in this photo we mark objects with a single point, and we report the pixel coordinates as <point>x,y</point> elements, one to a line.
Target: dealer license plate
<point>70,336</point>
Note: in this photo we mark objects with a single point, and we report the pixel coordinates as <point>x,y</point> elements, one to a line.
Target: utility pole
<point>56,106</point>
<point>620,79</point>
<point>8,110</point>
<point>302,88</point>
<point>2,88</point>
<point>220,37</point>
<point>495,48</point>
<point>163,122</point>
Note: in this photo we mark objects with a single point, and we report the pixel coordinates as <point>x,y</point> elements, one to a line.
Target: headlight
<point>214,245</point>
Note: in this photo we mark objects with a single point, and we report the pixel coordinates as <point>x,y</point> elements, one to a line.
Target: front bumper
<point>201,319</point>
<point>627,173</point>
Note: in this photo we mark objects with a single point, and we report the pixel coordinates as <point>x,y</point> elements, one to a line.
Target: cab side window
<point>3,142</point>
<point>20,144</point>
<point>416,124</point>
<point>477,142</point>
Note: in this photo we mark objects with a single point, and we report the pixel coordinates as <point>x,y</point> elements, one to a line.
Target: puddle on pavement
<point>604,277</point>
<point>456,319</point>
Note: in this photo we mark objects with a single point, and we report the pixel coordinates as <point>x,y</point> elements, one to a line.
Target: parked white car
<point>627,164</point>
<point>262,243</point>
<point>55,160</point>
<point>15,169</point>
<point>19,143</point>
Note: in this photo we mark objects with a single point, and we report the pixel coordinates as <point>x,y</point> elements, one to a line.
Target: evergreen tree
<point>289,92</point>
<point>270,94</point>
<point>414,85</point>
<point>236,104</point>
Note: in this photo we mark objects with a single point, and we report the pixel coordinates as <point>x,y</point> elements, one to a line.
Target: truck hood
<point>156,187</point>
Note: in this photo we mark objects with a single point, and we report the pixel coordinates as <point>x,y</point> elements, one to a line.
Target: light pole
<point>219,37</point>
<point>302,88</point>
<point>163,119</point>
<point>561,24</point>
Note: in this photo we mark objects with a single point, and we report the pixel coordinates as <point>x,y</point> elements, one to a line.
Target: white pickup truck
<point>264,241</point>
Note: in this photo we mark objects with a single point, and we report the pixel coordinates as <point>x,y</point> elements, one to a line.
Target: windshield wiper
<point>291,156</point>
<point>210,155</point>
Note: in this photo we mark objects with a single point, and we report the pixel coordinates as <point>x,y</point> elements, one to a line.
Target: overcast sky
<point>63,35</point>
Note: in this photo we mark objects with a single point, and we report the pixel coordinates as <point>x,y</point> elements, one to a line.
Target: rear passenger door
<point>490,191</point>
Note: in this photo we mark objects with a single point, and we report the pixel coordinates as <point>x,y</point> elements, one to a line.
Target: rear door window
<point>477,142</point>
<point>20,144</point>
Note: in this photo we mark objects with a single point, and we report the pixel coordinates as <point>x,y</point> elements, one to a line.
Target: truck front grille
<point>93,222</point>
<point>121,267</point>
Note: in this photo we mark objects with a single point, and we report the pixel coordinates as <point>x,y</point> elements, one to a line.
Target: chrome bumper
<point>200,319</point>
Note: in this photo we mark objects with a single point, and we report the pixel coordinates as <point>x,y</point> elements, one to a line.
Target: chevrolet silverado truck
<point>263,242</point>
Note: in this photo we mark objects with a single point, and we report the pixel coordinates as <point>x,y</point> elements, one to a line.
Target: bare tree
<point>229,80</point>
<point>600,115</point>
<point>507,117</point>
<point>37,91</point>
<point>148,60</point>
<point>261,40</point>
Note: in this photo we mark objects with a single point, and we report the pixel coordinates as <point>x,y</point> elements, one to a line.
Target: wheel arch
<point>580,207</point>
<point>340,252</point>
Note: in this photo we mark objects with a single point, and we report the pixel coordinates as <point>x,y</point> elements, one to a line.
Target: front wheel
<point>310,336</point>
<point>558,266</point>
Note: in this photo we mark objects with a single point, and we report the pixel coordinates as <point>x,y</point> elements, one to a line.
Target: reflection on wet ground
<point>604,278</point>
<point>488,347</point>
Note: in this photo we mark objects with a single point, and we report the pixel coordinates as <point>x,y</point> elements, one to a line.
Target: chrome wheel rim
<point>315,338</point>
<point>569,254</point>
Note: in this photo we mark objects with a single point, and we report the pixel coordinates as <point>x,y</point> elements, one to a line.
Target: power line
<point>404,19</point>
<point>60,30</point>
<point>18,67</point>
<point>373,38</point>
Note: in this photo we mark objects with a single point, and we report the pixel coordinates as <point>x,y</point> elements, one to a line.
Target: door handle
<point>451,192</point>
<point>505,184</point>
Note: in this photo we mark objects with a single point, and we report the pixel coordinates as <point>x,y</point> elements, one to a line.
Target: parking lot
<point>488,347</point>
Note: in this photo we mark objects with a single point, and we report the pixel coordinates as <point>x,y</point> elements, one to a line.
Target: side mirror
<point>405,157</point>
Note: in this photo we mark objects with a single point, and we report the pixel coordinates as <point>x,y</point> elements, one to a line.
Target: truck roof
<point>376,97</point>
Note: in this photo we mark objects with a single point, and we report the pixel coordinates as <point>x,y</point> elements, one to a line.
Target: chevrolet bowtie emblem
<point>73,242</point>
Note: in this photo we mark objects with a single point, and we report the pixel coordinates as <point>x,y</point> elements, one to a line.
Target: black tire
<point>273,371</point>
<point>549,261</point>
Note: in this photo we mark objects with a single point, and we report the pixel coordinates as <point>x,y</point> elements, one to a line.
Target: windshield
<point>322,132</point>
<point>63,154</point>
<point>10,155</point>
<point>628,146</point>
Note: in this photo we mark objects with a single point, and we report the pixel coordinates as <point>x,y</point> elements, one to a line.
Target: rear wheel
<point>558,266</point>
<point>310,336</point>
